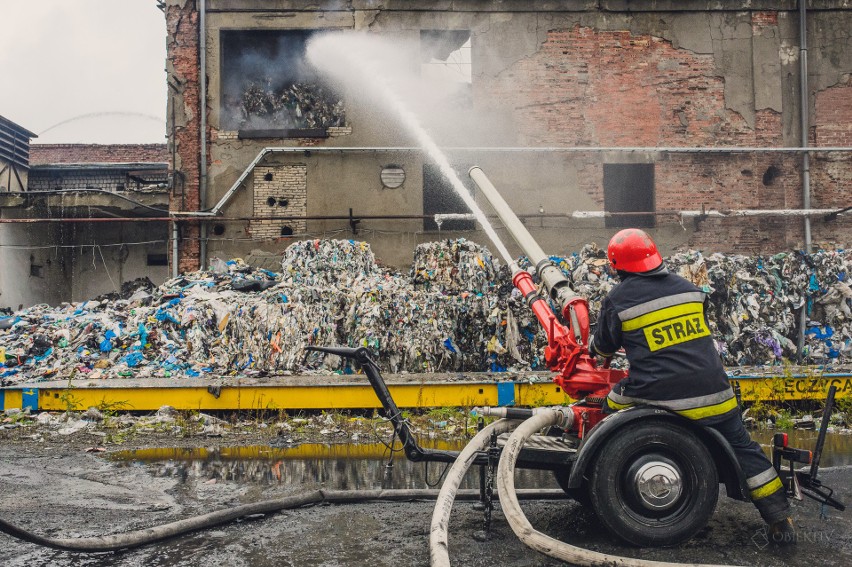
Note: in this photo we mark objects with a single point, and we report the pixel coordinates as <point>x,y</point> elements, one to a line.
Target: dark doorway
<point>628,188</point>
<point>439,197</point>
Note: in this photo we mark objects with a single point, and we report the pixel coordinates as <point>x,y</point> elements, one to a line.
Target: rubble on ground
<point>456,310</point>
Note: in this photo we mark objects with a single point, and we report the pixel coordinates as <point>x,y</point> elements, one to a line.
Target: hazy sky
<point>64,59</point>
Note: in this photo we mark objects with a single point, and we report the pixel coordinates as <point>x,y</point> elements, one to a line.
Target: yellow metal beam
<point>792,388</point>
<point>131,396</point>
<point>331,397</point>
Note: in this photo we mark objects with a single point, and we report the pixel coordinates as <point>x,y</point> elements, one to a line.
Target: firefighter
<point>659,320</point>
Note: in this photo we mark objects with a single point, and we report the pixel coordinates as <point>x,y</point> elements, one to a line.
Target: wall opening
<point>445,56</point>
<point>36,270</point>
<point>629,188</point>
<point>267,85</point>
<point>158,260</point>
<point>218,229</point>
<point>439,197</point>
<point>286,231</point>
<point>770,175</point>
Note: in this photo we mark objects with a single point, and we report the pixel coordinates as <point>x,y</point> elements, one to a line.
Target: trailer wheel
<point>580,494</point>
<point>654,484</point>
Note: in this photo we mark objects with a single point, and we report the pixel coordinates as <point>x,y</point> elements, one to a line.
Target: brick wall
<point>279,191</point>
<point>586,87</point>
<point>182,54</point>
<point>590,87</point>
<point>70,180</point>
<point>41,154</point>
<point>831,173</point>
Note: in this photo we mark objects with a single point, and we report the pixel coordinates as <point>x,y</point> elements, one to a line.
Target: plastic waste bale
<point>454,310</point>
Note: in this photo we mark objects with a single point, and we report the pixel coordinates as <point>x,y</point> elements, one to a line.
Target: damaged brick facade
<point>612,74</point>
<point>182,66</point>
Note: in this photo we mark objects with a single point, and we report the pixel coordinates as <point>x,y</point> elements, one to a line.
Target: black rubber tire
<point>617,502</point>
<point>562,475</point>
<point>580,494</point>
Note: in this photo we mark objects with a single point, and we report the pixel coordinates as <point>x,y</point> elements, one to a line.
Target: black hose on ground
<point>139,538</point>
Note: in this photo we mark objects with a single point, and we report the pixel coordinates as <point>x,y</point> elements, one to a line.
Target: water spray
<point>357,61</point>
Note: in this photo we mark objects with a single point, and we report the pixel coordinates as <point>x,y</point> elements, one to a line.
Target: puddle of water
<point>365,466</point>
<point>837,450</point>
<point>337,466</point>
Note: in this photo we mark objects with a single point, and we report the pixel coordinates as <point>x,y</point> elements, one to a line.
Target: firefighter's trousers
<point>764,485</point>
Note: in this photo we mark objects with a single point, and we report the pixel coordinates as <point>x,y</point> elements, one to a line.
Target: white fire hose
<point>542,418</point>
<point>438,547</point>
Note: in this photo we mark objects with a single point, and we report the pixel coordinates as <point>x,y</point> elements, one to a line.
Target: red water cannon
<point>568,333</point>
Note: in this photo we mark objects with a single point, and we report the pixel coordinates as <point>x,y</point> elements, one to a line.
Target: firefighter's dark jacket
<point>660,321</point>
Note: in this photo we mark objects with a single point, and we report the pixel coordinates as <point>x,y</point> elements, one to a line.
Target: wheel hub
<point>658,484</point>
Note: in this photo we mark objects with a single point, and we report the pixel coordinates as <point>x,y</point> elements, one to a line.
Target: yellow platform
<point>354,392</point>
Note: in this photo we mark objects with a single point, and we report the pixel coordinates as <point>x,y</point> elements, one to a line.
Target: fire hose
<point>146,536</point>
<point>438,546</point>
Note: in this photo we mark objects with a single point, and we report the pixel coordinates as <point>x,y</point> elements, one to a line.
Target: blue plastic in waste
<point>821,332</point>
<point>166,316</point>
<point>133,359</point>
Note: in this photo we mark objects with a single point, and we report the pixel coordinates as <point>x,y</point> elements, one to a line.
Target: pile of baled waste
<point>454,310</point>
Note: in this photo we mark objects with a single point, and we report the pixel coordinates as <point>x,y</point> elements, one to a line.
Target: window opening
<point>158,260</point>
<point>629,188</point>
<point>445,55</point>
<point>439,197</point>
<point>268,85</point>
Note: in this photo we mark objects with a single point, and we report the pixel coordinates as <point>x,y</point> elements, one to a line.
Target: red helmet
<point>632,250</point>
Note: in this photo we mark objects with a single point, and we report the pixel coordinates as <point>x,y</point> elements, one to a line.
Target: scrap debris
<point>455,310</point>
<point>295,106</point>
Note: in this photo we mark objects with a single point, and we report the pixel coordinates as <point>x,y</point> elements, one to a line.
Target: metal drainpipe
<point>804,109</point>
<point>202,97</point>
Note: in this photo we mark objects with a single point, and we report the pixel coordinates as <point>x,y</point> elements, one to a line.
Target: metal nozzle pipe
<point>556,283</point>
<point>509,219</point>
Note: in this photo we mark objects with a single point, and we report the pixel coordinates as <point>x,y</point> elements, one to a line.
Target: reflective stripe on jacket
<point>660,321</point>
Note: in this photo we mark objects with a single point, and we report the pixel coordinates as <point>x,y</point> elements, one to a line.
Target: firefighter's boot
<point>782,532</point>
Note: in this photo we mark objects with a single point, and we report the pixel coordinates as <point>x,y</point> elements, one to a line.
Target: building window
<point>158,260</point>
<point>629,188</point>
<point>445,56</point>
<point>439,197</point>
<point>268,86</point>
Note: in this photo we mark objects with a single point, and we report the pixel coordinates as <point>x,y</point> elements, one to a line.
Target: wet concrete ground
<point>62,491</point>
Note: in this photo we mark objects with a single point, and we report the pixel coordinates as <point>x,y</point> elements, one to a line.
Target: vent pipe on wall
<point>202,102</point>
<point>804,110</point>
